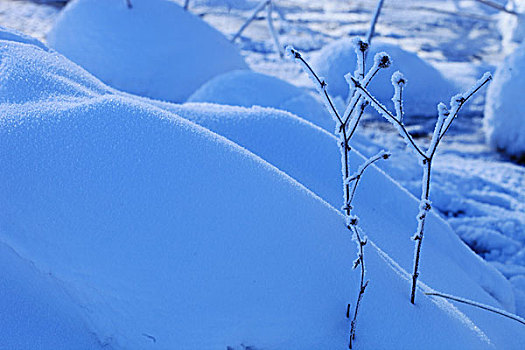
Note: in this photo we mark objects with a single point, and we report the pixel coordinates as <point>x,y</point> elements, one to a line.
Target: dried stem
<point>478,305</point>
<point>445,119</point>
<point>362,284</point>
<point>345,133</point>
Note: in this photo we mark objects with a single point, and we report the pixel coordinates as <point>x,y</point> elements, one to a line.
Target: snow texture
<point>246,88</point>
<point>504,121</point>
<point>149,50</point>
<point>425,88</point>
<point>168,235</point>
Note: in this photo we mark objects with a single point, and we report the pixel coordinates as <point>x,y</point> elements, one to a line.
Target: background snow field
<point>131,221</point>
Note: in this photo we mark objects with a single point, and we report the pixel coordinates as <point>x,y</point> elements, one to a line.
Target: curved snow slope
<point>247,89</point>
<point>504,120</point>
<point>425,87</point>
<point>171,236</point>
<point>35,311</point>
<point>156,49</point>
<point>387,212</point>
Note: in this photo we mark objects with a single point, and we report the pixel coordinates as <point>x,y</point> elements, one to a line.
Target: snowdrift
<point>156,49</point>
<point>168,235</point>
<point>247,89</point>
<point>425,88</point>
<point>504,121</point>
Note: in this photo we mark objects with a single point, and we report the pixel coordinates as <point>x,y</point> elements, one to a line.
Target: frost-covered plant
<point>445,118</point>
<point>346,125</point>
<point>268,4</point>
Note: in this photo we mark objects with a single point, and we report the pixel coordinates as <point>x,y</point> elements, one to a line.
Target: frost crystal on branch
<point>350,118</point>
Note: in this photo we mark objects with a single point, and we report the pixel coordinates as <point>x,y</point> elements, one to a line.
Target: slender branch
<point>354,179</point>
<point>390,117</point>
<point>129,4</point>
<point>362,284</point>
<point>445,119</point>
<point>186,4</point>
<point>371,30</point>
<point>478,305</point>
<point>380,61</point>
<point>255,12</point>
<point>320,84</point>
<point>459,100</point>
<point>271,28</point>
<point>497,6</point>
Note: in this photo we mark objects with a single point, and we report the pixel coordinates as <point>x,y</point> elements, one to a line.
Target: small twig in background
<point>186,4</point>
<point>478,305</point>
<point>269,13</point>
<point>254,14</point>
<point>371,30</point>
<point>497,6</point>
<point>129,4</point>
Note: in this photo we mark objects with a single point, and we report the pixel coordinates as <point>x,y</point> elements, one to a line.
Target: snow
<point>504,121</point>
<point>246,88</point>
<point>150,52</point>
<point>425,86</point>
<point>311,156</point>
<point>512,25</point>
<point>166,234</point>
<point>36,311</point>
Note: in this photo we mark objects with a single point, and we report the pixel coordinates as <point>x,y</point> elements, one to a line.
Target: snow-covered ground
<point>480,193</point>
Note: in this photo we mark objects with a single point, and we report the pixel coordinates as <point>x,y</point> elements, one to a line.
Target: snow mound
<point>247,89</point>
<point>504,120</point>
<point>170,236</point>
<point>156,49</point>
<point>425,87</point>
<point>13,35</point>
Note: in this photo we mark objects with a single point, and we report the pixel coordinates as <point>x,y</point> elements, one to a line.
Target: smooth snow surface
<point>170,236</point>
<point>247,89</point>
<point>35,310</point>
<point>504,121</point>
<point>155,49</point>
<point>425,87</point>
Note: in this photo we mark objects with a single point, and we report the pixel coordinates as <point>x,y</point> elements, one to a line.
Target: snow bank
<point>170,236</point>
<point>156,49</point>
<point>310,155</point>
<point>247,89</point>
<point>504,120</point>
<point>425,88</point>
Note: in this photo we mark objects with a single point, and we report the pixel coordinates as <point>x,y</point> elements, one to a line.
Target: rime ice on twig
<point>344,134</point>
<point>445,119</point>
